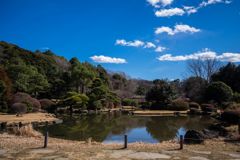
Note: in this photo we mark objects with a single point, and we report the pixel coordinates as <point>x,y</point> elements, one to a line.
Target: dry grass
<point>28,118</point>
<point>26,130</point>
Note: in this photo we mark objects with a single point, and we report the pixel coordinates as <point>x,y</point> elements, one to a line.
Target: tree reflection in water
<point>111,126</point>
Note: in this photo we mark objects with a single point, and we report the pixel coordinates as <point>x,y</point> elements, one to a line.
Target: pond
<point>111,127</point>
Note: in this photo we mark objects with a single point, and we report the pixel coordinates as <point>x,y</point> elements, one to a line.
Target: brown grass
<point>28,118</point>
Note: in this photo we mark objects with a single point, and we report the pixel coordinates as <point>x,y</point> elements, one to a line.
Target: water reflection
<point>111,127</point>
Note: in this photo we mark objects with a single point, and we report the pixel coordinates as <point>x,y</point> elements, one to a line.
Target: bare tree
<point>203,68</point>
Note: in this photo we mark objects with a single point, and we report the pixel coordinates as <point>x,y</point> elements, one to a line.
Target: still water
<point>111,127</point>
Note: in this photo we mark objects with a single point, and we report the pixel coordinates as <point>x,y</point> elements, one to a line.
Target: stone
<point>202,152</point>
<point>146,155</point>
<point>198,158</point>
<point>170,152</point>
<point>209,134</point>
<point>50,157</point>
<point>42,151</point>
<point>234,155</point>
<point>120,153</point>
<point>193,137</point>
<point>2,152</point>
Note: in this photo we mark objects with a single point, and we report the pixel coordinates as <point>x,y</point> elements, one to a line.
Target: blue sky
<point>146,39</point>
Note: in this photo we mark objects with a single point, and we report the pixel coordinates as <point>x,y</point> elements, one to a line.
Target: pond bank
<point>18,147</point>
<point>159,112</point>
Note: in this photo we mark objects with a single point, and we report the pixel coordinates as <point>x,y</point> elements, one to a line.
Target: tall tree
<point>229,74</point>
<point>161,92</point>
<point>27,79</point>
<point>203,68</point>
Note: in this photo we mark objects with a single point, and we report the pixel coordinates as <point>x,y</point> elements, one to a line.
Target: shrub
<point>36,106</point>
<point>19,108</point>
<point>219,92</point>
<point>194,105</point>
<point>233,106</point>
<point>231,117</point>
<point>145,105</point>
<point>208,108</point>
<point>236,97</point>
<point>47,105</point>
<point>178,105</point>
<point>129,102</point>
<point>96,104</point>
<point>33,105</point>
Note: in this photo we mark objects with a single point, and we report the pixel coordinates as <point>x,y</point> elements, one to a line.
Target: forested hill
<point>46,75</point>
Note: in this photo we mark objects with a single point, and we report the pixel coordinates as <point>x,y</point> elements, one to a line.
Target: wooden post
<point>3,126</point>
<point>125,141</point>
<point>46,136</point>
<point>181,141</point>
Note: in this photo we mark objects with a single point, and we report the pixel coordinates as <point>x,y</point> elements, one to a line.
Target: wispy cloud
<point>210,2</point>
<point>149,45</point>
<point>106,59</point>
<point>185,9</point>
<point>179,28</point>
<point>139,43</point>
<point>159,3</point>
<point>160,49</point>
<point>203,55</point>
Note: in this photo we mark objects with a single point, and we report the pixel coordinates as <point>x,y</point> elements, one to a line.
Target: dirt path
<point>13,147</point>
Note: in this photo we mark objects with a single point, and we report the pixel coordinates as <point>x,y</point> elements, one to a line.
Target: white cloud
<point>190,9</point>
<point>160,49</point>
<point>230,57</point>
<point>179,28</point>
<point>158,3</point>
<point>185,28</point>
<point>164,29</point>
<point>149,45</point>
<point>210,2</point>
<point>135,43</point>
<point>170,12</point>
<point>138,43</point>
<point>106,59</point>
<point>182,11</point>
<point>203,55</point>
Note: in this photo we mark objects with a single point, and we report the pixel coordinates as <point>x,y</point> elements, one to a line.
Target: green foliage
<point>2,88</point>
<point>129,102</point>
<point>76,100</point>
<point>27,79</point>
<point>81,75</point>
<point>230,75</point>
<point>194,88</point>
<point>178,105</point>
<point>162,92</point>
<point>140,90</point>
<point>218,92</point>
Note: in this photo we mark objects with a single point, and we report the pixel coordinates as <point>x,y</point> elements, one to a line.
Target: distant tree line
<point>32,80</point>
<point>44,75</point>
